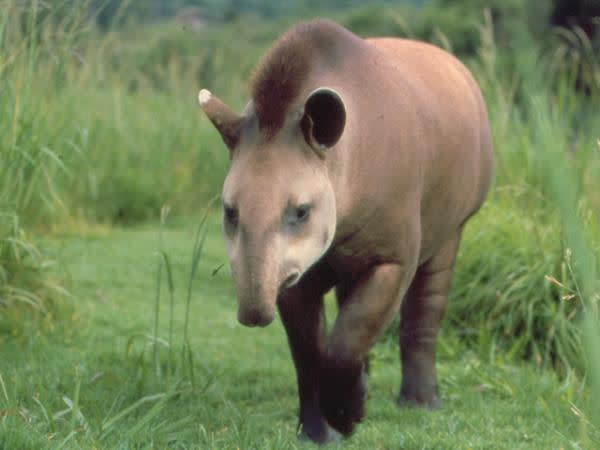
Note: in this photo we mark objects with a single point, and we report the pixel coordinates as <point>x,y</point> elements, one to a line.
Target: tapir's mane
<point>283,71</point>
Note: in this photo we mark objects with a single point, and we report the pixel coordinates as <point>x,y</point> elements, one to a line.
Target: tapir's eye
<point>231,215</point>
<point>297,215</point>
<point>302,213</point>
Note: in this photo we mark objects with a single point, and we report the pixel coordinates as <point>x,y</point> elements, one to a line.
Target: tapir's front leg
<point>373,301</point>
<point>301,310</point>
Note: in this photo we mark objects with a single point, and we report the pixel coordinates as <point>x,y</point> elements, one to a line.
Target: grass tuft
<point>29,166</point>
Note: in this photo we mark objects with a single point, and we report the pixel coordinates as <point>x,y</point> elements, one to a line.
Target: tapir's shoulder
<point>403,45</point>
<point>415,53</point>
<point>429,79</point>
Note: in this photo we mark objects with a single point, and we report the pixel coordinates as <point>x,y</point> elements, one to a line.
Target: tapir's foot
<point>320,433</point>
<point>342,394</point>
<point>313,426</point>
<point>419,396</point>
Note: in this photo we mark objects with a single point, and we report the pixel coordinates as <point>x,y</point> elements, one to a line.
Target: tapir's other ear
<point>324,119</point>
<point>222,116</point>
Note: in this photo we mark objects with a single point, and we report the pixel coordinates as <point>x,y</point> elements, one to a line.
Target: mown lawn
<point>90,381</point>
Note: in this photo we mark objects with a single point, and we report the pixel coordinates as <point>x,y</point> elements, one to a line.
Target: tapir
<point>354,166</point>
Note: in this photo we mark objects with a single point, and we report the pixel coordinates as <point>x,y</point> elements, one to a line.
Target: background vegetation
<point>99,128</point>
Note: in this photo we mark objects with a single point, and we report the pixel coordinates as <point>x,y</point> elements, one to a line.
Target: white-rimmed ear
<point>225,120</point>
<point>324,119</point>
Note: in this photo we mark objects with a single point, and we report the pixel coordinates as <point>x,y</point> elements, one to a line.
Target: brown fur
<point>285,68</point>
<point>392,190</point>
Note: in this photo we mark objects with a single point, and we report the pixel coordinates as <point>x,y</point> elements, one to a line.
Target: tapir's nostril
<point>253,318</point>
<point>290,280</point>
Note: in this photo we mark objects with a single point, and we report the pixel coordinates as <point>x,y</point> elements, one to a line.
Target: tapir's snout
<point>261,316</point>
<point>260,280</point>
<point>256,291</point>
<point>255,317</point>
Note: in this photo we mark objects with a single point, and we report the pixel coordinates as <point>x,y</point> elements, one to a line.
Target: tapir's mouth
<point>290,280</point>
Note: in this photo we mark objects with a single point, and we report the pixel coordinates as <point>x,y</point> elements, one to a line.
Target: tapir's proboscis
<point>354,166</point>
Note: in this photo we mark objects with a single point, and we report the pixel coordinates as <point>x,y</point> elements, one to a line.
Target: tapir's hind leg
<point>421,315</point>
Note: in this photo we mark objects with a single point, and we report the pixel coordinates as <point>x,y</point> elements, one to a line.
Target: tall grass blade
<point>581,261</point>
<point>201,233</point>
<point>74,404</point>
<point>171,287</point>
<point>66,440</point>
<point>149,416</point>
<point>76,414</point>
<point>155,352</point>
<point>49,419</point>
<point>4,391</point>
<point>109,423</point>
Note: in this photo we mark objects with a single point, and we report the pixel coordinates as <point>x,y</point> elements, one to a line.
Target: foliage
<point>111,12</point>
<point>110,102</point>
<point>28,166</point>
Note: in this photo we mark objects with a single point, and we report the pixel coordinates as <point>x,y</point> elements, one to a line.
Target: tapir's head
<point>279,209</point>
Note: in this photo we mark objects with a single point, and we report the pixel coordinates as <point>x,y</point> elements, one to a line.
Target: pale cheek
<point>231,247</point>
<point>305,252</point>
<point>228,245</point>
<point>312,250</point>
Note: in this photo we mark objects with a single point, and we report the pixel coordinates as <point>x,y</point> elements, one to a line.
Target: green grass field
<point>99,128</point>
<point>90,382</point>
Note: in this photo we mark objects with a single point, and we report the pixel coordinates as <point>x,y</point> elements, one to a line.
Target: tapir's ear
<point>225,120</point>
<point>324,119</point>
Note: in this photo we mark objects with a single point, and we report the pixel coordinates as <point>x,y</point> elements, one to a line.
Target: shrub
<point>28,166</point>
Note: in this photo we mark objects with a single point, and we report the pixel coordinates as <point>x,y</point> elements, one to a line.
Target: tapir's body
<point>355,166</point>
<point>416,151</point>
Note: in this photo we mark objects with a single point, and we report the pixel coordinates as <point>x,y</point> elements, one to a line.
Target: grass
<point>28,282</point>
<point>92,383</point>
<point>98,129</point>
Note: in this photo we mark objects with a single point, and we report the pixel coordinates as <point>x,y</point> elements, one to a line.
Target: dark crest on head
<point>283,71</point>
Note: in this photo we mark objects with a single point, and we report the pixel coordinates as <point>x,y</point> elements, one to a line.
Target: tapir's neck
<point>371,151</point>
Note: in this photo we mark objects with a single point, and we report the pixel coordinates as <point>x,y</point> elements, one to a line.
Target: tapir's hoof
<point>321,435</point>
<point>415,401</point>
<point>342,395</point>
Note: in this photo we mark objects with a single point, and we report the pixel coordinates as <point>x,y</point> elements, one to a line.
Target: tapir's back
<point>436,134</point>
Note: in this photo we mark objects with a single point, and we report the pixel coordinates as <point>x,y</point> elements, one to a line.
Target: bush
<point>28,167</point>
